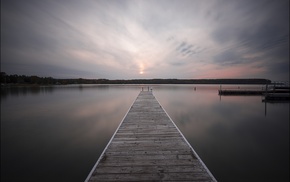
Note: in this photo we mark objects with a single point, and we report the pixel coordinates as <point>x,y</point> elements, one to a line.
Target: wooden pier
<point>147,146</point>
<point>277,97</point>
<point>241,92</point>
<point>251,92</point>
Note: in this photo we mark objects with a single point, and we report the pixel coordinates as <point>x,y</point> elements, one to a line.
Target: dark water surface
<point>57,133</point>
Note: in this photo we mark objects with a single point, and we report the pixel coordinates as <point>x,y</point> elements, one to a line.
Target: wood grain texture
<point>147,146</point>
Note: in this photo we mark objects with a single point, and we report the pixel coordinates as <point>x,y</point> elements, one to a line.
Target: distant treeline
<point>22,79</point>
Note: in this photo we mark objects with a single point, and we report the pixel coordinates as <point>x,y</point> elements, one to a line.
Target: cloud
<point>180,46</point>
<point>256,28</point>
<point>119,39</point>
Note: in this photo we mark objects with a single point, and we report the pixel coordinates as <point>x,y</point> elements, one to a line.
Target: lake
<point>57,133</point>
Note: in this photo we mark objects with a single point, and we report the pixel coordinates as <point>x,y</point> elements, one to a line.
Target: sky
<point>195,39</point>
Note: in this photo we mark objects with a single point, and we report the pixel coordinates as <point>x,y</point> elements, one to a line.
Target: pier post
<point>265,107</point>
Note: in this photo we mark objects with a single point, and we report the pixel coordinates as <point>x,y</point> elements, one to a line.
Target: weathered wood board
<point>147,146</point>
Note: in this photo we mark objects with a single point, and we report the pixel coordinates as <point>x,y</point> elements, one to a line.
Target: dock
<point>148,146</point>
<point>278,97</point>
<point>252,92</point>
<point>241,92</point>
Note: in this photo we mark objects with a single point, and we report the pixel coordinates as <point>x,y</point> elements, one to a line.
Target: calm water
<point>57,133</point>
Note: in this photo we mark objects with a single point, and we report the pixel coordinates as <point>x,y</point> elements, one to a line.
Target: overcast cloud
<point>146,39</point>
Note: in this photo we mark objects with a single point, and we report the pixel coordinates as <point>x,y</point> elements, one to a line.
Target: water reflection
<point>52,136</point>
<point>58,133</point>
<point>23,91</point>
<point>232,135</point>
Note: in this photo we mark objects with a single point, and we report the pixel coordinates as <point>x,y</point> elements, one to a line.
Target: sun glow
<point>141,69</point>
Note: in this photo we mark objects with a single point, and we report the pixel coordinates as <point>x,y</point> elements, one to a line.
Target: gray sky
<point>146,39</point>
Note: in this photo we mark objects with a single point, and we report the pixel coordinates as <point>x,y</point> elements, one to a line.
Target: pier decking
<point>251,92</point>
<point>147,146</point>
<point>277,97</point>
<point>272,90</point>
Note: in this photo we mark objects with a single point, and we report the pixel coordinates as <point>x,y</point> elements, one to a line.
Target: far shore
<point>52,81</point>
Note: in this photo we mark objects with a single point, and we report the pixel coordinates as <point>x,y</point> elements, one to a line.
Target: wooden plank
<point>152,177</point>
<point>147,146</point>
<point>153,152</point>
<point>148,169</point>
